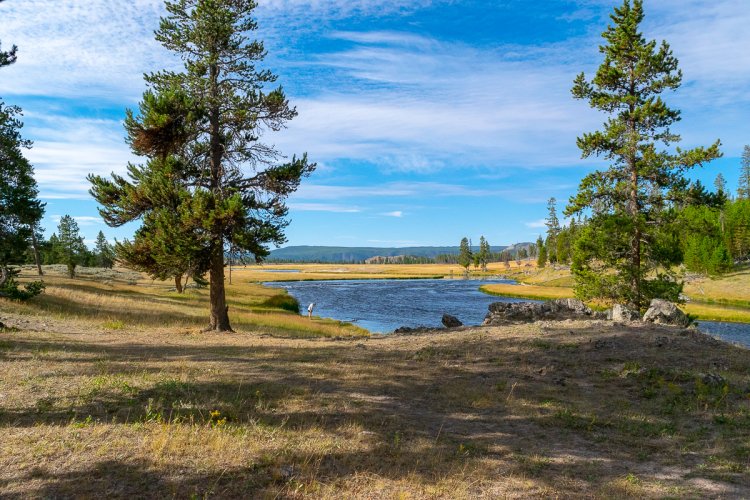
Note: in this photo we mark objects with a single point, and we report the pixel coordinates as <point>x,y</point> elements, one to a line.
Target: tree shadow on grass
<point>533,409</point>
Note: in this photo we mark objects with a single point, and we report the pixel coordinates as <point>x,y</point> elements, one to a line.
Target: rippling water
<point>384,305</point>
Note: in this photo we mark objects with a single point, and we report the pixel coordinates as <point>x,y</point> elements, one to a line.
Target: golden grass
<point>535,292</point>
<point>113,303</point>
<point>266,272</point>
<point>565,410</point>
<point>732,289</point>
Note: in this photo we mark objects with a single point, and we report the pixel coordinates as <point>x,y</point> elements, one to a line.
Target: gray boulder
<point>503,313</point>
<point>623,314</point>
<point>663,312</point>
<point>450,321</point>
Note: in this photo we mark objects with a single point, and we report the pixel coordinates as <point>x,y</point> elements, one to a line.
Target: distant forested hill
<point>357,254</point>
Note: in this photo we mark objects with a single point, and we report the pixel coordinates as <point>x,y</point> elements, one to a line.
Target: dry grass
<point>121,298</point>
<point>732,289</point>
<point>536,292</point>
<point>269,272</point>
<point>555,410</point>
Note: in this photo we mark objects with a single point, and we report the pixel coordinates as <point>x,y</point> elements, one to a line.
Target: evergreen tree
<point>484,253</point>
<point>105,254</point>
<point>553,229</point>
<point>20,210</point>
<point>541,252</point>
<point>231,187</point>
<point>465,256</point>
<point>71,249</point>
<point>619,254</point>
<point>720,183</point>
<point>743,190</point>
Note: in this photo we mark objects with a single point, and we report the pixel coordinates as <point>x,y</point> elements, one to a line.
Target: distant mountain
<point>356,254</point>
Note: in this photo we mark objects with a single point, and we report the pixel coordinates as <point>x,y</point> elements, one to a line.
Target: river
<point>383,305</point>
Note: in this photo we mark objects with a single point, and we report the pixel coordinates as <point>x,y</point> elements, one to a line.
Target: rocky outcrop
<point>450,321</point>
<point>407,330</point>
<point>503,313</point>
<point>623,314</point>
<point>663,312</point>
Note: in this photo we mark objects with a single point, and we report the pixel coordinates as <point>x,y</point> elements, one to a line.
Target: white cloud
<point>82,220</point>
<point>395,213</point>
<point>66,150</point>
<point>536,224</point>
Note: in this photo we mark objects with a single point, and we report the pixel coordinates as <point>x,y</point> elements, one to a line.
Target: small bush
<point>11,290</point>
<point>283,301</point>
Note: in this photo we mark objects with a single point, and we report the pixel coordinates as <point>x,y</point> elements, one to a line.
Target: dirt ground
<point>562,409</point>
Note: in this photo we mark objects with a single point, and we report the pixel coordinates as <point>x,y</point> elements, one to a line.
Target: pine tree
<point>720,183</point>
<point>743,190</point>
<point>70,244</point>
<point>619,254</point>
<point>553,229</point>
<point>465,256</point>
<point>20,210</point>
<point>232,187</point>
<point>541,252</point>
<point>484,253</point>
<point>105,254</point>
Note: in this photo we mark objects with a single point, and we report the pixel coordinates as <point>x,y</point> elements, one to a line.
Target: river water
<point>384,305</point>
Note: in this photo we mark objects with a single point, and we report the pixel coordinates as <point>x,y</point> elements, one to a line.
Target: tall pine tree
<point>743,190</point>
<point>20,210</point>
<point>619,255</point>
<point>465,256</point>
<point>553,230</point>
<point>237,188</point>
<point>71,249</point>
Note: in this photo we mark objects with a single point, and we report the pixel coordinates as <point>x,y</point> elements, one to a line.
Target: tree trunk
<point>219,321</point>
<point>219,315</point>
<point>635,246</point>
<point>4,275</point>
<point>35,246</point>
<point>178,283</point>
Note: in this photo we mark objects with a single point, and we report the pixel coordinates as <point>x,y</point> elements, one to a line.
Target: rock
<point>502,313</point>
<point>623,314</point>
<point>406,330</point>
<point>663,312</point>
<point>451,321</point>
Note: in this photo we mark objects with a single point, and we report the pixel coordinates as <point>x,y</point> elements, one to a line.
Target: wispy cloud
<point>395,213</point>
<point>82,220</point>
<point>535,224</point>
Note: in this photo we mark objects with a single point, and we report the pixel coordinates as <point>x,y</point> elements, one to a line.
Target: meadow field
<point>110,388</point>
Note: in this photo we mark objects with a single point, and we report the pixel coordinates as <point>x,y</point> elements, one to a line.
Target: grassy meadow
<point>120,298</point>
<point>555,410</point>
<point>109,387</point>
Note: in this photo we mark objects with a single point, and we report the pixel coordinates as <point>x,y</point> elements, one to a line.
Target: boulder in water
<point>450,321</point>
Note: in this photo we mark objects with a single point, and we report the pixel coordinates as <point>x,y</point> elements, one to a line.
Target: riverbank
<point>565,409</point>
<point>119,299</point>
<point>721,299</point>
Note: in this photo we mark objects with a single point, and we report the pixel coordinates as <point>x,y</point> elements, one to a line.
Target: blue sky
<point>430,120</point>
